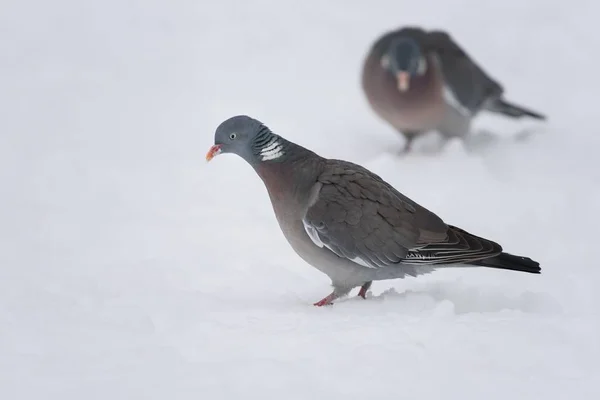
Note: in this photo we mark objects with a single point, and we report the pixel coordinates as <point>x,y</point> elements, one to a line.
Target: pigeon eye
<point>232,136</point>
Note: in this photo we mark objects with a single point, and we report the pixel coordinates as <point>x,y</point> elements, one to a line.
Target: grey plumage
<point>419,80</point>
<point>348,222</point>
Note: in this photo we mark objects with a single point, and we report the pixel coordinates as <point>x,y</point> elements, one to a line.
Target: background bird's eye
<point>232,136</point>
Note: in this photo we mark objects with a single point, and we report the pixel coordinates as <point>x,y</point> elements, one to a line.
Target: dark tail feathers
<point>510,262</point>
<point>512,110</point>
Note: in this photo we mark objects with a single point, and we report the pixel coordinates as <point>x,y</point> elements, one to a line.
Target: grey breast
<point>292,191</point>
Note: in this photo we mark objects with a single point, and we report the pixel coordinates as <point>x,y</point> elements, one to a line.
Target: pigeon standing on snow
<point>419,81</point>
<point>348,222</point>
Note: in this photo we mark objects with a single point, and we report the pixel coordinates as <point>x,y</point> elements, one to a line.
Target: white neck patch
<point>272,151</point>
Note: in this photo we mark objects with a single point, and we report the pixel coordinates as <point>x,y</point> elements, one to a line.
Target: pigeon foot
<point>327,300</point>
<point>363,289</point>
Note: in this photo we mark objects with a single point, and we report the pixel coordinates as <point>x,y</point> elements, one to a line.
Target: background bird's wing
<point>469,84</point>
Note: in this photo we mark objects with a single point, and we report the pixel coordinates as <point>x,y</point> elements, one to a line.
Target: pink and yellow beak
<point>213,152</point>
<point>403,79</point>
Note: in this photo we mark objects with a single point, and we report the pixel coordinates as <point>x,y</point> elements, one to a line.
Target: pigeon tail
<point>503,107</point>
<point>510,262</point>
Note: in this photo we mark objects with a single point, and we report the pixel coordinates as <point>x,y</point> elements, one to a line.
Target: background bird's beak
<point>213,152</point>
<point>403,79</point>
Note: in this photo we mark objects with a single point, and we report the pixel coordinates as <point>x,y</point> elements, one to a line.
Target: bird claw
<point>363,290</point>
<point>326,301</point>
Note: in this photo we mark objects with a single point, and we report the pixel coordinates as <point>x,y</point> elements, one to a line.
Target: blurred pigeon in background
<point>419,81</point>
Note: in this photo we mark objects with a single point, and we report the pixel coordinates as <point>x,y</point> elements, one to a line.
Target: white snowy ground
<point>131,269</point>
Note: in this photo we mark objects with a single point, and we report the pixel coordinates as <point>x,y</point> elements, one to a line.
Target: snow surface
<point>131,269</point>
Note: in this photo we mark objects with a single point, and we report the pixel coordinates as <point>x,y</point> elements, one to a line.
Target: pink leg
<point>327,300</point>
<point>363,289</point>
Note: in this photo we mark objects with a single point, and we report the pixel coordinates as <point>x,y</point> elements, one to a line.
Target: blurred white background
<point>130,269</point>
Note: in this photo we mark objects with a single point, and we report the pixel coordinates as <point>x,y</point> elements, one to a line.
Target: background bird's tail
<point>501,106</point>
<point>510,262</point>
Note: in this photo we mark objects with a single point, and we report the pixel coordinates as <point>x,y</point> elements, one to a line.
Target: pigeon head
<point>249,139</point>
<point>404,60</point>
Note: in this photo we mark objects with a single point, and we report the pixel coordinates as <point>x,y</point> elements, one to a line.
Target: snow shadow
<point>463,299</point>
